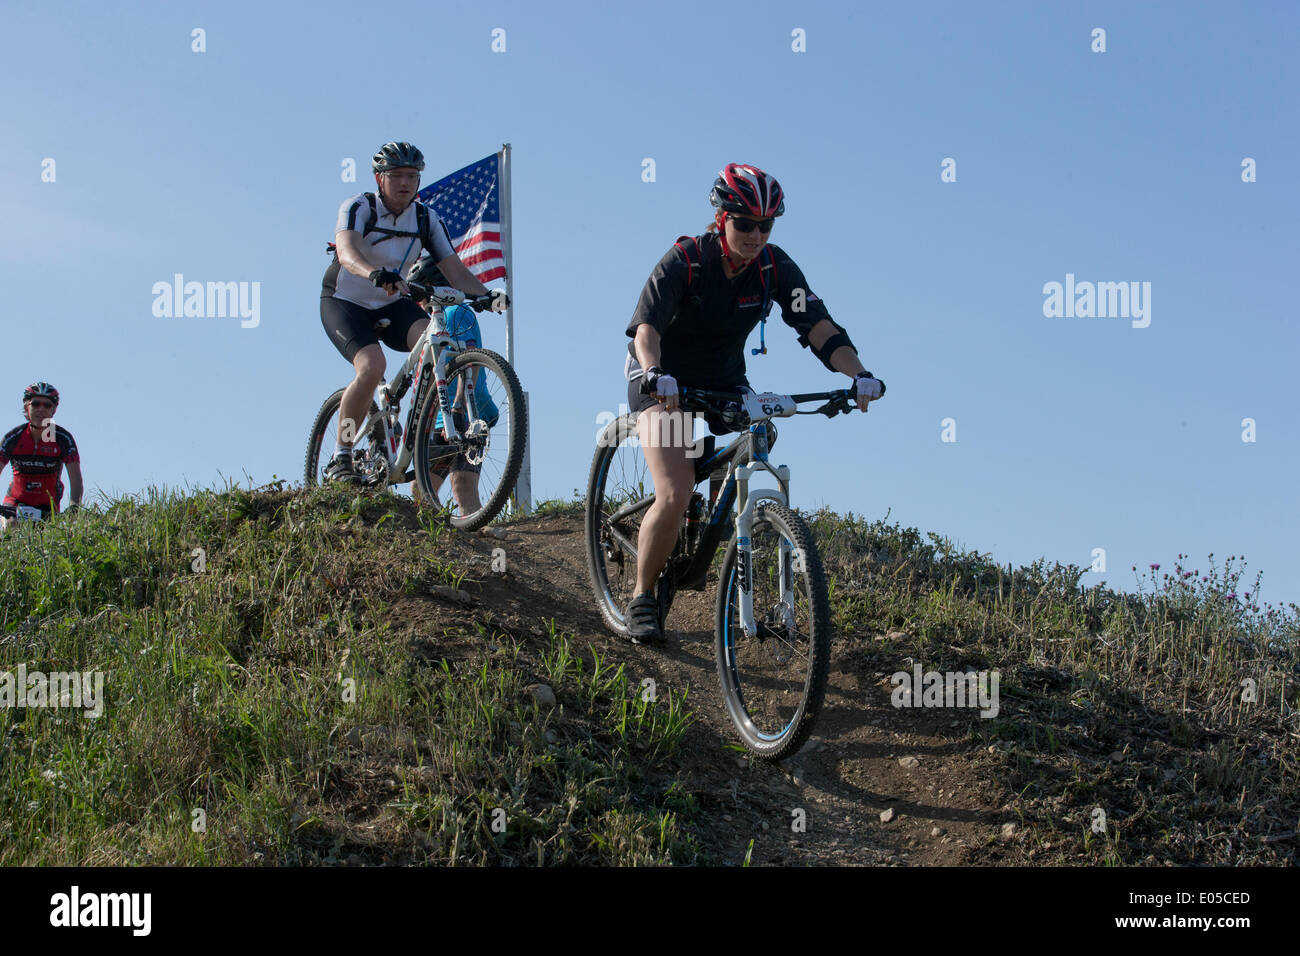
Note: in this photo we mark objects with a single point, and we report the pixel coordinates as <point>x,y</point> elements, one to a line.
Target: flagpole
<point>524,486</point>
<point>506,236</point>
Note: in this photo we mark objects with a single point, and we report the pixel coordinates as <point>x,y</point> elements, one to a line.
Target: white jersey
<point>391,242</point>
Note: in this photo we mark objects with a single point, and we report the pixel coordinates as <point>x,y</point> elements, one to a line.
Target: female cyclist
<point>696,311</point>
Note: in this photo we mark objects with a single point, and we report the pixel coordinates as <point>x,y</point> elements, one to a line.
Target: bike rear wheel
<point>492,441</point>
<point>773,683</point>
<point>619,492</point>
<point>368,458</point>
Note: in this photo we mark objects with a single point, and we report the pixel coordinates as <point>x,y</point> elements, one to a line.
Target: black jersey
<point>703,324</point>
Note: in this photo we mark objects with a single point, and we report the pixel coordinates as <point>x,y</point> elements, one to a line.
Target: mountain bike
<point>484,433</point>
<point>772,623</point>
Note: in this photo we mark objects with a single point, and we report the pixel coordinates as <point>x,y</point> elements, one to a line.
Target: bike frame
<point>744,457</point>
<point>428,359</point>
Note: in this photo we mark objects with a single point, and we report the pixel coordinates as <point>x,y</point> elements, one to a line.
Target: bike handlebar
<point>445,295</point>
<point>729,405</point>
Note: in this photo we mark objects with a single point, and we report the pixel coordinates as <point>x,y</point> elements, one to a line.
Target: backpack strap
<point>766,264</point>
<point>374,215</point>
<point>424,226</point>
<point>690,248</point>
<point>424,230</point>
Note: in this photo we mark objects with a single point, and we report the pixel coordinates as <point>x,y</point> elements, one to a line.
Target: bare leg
<point>663,443</point>
<point>464,485</point>
<point>369,363</point>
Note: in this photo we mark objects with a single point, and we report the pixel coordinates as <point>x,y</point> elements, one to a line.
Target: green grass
<point>264,707</point>
<point>1164,675</point>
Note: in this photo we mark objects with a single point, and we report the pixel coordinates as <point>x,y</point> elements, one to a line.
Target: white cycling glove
<point>665,385</point>
<point>869,387</point>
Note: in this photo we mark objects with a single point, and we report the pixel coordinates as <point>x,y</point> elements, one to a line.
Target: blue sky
<point>1072,434</point>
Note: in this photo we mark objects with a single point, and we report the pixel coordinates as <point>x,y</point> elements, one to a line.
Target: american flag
<point>469,202</point>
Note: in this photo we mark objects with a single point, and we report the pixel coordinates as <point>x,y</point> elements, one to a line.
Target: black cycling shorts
<point>352,327</point>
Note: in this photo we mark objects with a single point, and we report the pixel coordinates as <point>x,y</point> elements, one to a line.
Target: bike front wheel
<point>483,463</point>
<point>774,681</point>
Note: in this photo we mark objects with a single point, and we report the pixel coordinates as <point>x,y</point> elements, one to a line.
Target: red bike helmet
<point>747,191</point>
<point>42,389</point>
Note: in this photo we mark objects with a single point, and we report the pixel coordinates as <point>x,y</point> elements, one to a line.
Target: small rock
<point>887,815</point>
<point>1117,756</point>
<point>353,737</point>
<point>742,763</point>
<point>909,762</point>
<point>455,595</point>
<point>492,532</point>
<point>766,827</point>
<point>542,694</point>
<point>1008,831</point>
<point>993,748</point>
<point>551,736</point>
<point>936,831</point>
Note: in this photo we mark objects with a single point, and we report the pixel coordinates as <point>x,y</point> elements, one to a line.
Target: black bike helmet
<point>43,389</point>
<point>397,156</point>
<point>747,191</point>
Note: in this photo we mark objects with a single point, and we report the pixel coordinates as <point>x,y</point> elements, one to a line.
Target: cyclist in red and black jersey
<point>38,451</point>
<point>690,326</point>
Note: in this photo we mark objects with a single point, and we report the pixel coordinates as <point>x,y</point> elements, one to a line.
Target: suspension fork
<point>746,504</point>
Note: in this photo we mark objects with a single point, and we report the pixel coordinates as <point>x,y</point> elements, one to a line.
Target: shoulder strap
<point>689,244</point>
<point>374,215</point>
<point>424,225</point>
<point>767,276</point>
<point>766,264</point>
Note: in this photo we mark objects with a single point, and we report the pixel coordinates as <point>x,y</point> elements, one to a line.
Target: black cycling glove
<point>382,277</point>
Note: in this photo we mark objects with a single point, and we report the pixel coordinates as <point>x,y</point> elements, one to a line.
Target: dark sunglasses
<point>40,403</point>
<point>749,225</point>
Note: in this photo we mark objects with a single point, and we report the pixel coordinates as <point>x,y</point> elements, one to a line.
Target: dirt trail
<point>948,806</point>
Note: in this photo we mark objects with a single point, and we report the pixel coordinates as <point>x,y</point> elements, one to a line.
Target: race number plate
<point>769,405</point>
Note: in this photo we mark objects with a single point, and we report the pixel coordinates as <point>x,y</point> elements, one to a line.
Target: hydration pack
<point>690,244</point>
<point>423,225</point>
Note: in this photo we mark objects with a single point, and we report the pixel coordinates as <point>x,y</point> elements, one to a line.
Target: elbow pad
<point>830,345</point>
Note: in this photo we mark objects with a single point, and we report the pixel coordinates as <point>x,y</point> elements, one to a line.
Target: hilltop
<point>307,677</point>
